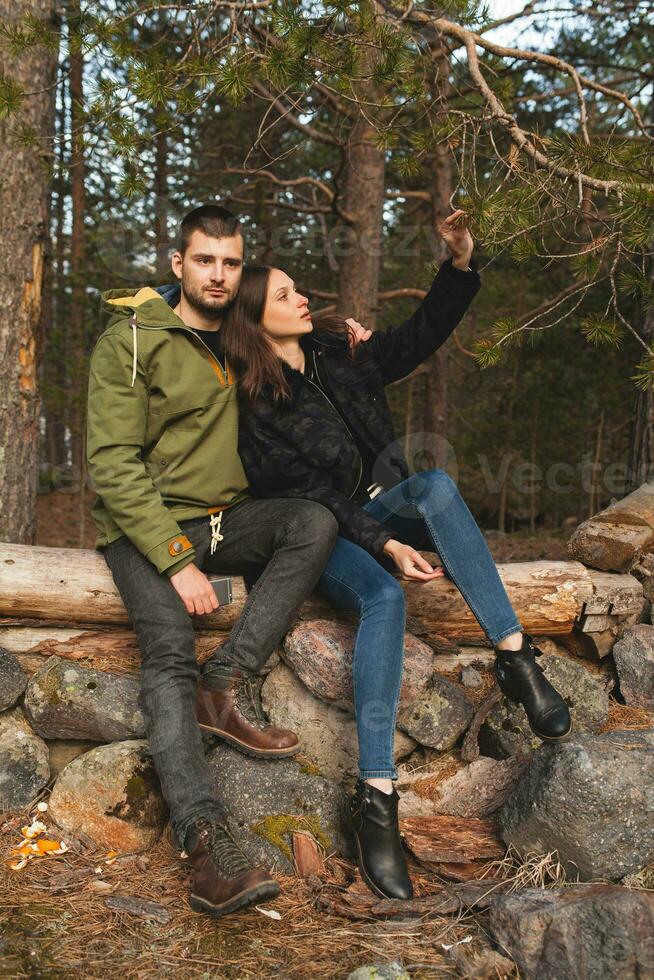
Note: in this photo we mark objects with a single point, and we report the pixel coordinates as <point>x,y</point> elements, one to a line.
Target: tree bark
<point>77,252</point>
<point>162,242</point>
<point>24,191</point>
<point>363,199</point>
<point>641,442</point>
<point>435,415</point>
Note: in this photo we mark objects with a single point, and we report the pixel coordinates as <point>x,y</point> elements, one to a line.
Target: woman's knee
<point>387,595</point>
<point>436,477</point>
<point>430,486</point>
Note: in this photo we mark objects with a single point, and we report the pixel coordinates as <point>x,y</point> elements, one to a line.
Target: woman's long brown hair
<point>247,348</point>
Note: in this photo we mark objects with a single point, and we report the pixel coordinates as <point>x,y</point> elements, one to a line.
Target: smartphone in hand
<point>222,586</point>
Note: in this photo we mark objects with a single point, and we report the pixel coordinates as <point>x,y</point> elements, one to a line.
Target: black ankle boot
<point>522,680</point>
<point>372,815</point>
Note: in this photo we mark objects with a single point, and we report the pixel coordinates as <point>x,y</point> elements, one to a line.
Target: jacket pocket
<point>192,415</point>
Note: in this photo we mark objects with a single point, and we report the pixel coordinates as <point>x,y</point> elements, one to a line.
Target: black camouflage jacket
<point>328,445</point>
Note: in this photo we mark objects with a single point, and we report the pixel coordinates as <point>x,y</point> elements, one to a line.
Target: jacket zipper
<point>341,420</point>
<point>212,356</point>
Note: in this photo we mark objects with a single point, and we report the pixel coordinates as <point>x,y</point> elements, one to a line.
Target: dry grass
<point>54,922</point>
<point>532,871</point>
<point>622,716</point>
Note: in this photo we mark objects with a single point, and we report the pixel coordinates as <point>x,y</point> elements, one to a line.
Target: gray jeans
<point>281,545</point>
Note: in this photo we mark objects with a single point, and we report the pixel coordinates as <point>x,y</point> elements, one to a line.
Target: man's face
<point>210,272</point>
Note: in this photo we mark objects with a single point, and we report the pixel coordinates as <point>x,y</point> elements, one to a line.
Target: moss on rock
<point>275,827</point>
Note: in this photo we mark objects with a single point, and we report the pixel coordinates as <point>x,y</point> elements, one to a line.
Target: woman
<point>315,423</point>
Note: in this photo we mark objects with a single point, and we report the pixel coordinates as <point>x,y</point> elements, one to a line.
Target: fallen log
<point>113,649</point>
<point>75,587</point>
<point>616,538</point>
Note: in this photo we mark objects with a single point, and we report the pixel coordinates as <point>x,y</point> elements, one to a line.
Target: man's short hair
<point>212,219</point>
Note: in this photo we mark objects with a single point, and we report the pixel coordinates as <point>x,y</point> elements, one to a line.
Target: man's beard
<point>212,308</point>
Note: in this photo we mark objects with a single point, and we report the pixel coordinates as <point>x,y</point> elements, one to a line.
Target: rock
<point>634,660</point>
<point>13,679</point>
<point>439,716</point>
<point>591,799</point>
<point>474,790</point>
<point>63,700</point>
<point>328,735</point>
<point>478,960</point>
<point>471,677</point>
<point>24,768</point>
<point>64,750</point>
<point>506,729</point>
<point>320,653</point>
<point>112,794</point>
<point>266,801</point>
<point>380,971</point>
<point>586,932</point>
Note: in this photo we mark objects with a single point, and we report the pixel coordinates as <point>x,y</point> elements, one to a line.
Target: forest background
<point>342,133</point>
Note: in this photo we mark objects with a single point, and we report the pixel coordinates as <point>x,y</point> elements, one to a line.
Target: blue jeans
<point>427,512</point>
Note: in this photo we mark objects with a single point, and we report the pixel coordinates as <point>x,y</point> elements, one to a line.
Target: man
<point>173,505</point>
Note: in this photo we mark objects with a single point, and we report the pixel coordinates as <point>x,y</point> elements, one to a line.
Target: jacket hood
<point>151,309</point>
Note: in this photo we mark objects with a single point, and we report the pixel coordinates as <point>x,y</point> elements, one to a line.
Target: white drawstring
<point>133,322</point>
<point>216,536</point>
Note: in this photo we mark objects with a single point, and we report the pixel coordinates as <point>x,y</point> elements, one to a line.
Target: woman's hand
<point>356,333</point>
<point>195,590</point>
<point>411,563</point>
<point>455,234</point>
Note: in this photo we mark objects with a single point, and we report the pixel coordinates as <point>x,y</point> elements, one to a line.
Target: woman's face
<point>286,313</point>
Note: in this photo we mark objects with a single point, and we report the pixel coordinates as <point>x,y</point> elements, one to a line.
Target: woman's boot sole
<point>248,750</point>
<point>262,891</point>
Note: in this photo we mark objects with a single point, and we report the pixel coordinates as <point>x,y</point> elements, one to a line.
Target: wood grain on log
<point>616,538</point>
<point>75,586</point>
<point>115,650</point>
<point>590,646</point>
<point>547,597</point>
<point>614,594</point>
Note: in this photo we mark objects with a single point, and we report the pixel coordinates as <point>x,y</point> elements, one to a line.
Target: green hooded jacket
<point>162,430</point>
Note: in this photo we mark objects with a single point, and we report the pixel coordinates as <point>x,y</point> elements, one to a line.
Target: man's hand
<point>454,232</point>
<point>195,590</point>
<point>357,333</point>
<point>411,563</point>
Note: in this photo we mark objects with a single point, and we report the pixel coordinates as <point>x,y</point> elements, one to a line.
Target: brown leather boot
<point>228,705</point>
<point>223,877</point>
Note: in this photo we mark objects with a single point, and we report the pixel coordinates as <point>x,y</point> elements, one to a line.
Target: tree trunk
<point>363,200</point>
<point>57,361</point>
<point>594,501</point>
<point>162,242</point>
<point>641,443</point>
<point>435,415</point>
<point>24,193</point>
<point>77,254</point>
